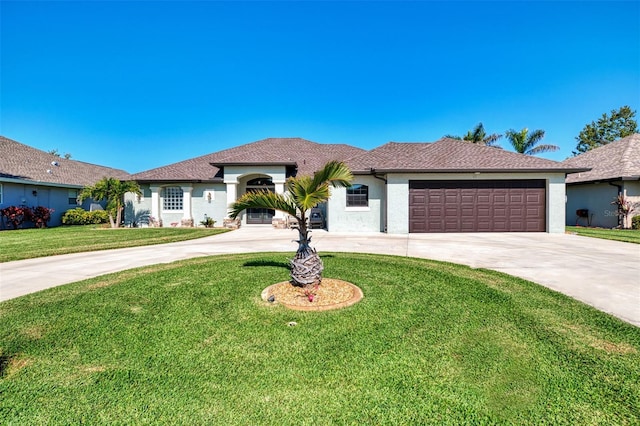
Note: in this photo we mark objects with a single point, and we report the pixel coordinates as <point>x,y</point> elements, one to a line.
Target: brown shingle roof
<point>308,156</point>
<point>615,160</point>
<point>448,155</point>
<point>19,161</point>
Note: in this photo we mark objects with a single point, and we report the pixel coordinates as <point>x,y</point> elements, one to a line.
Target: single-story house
<point>31,177</point>
<point>399,188</point>
<point>615,170</point>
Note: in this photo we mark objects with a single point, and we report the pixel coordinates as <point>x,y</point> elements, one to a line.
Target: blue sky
<point>138,85</point>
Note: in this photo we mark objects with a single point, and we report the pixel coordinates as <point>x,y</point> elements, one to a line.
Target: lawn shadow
<point>258,263</point>
<point>5,360</point>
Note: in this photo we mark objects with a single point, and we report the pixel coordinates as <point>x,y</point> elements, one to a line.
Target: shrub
<point>74,216</point>
<point>15,215</point>
<point>79,216</point>
<point>208,222</point>
<point>635,222</point>
<point>40,216</point>
<point>98,216</point>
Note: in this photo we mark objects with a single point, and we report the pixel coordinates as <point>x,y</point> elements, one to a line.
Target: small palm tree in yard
<point>301,195</point>
<point>112,190</point>
<point>527,143</point>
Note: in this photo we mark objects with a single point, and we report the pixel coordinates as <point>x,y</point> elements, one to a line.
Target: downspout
<point>620,218</point>
<point>384,218</point>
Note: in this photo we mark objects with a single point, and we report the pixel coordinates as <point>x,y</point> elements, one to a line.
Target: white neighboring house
<point>615,170</point>
<point>31,177</point>
<point>399,188</point>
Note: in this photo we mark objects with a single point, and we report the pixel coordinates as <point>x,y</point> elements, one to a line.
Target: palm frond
<point>534,137</point>
<point>336,173</point>
<point>305,194</point>
<point>492,140</point>
<point>543,148</point>
<point>478,133</point>
<point>458,138</point>
<point>262,200</point>
<point>517,139</point>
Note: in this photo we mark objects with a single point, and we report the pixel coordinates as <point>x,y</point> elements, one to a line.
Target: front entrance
<point>260,216</point>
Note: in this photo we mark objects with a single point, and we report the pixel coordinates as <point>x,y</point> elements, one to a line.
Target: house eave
<point>168,181</point>
<point>474,170</point>
<point>257,163</point>
<point>605,180</point>
<point>40,183</point>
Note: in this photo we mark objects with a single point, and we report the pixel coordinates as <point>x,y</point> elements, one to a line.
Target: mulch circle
<point>331,294</point>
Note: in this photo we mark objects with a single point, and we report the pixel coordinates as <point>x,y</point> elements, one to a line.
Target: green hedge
<point>79,216</point>
<point>635,222</point>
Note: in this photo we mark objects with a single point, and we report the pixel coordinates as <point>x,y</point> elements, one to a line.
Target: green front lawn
<point>30,243</point>
<point>431,343</point>
<point>625,235</point>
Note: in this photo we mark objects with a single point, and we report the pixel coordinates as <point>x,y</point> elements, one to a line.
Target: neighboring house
<point>615,169</point>
<point>31,177</point>
<point>445,186</point>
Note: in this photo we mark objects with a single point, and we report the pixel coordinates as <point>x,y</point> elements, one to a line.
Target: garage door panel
<point>477,206</point>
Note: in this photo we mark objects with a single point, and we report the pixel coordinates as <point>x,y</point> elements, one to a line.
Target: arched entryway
<point>260,216</point>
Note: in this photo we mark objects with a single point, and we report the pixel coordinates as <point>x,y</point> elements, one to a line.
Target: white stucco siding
<point>236,178</point>
<point>341,218</point>
<point>139,210</point>
<point>632,193</point>
<point>556,203</point>
<point>398,203</point>
<point>597,198</point>
<point>398,195</point>
<point>214,207</point>
<point>234,174</point>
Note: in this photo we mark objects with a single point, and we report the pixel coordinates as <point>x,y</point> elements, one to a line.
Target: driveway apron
<point>604,274</point>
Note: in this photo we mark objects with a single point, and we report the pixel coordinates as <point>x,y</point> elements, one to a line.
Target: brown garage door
<point>477,206</point>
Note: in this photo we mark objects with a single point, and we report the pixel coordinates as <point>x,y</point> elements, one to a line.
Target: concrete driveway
<point>604,274</point>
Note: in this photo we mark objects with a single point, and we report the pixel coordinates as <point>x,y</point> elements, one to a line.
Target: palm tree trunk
<point>112,222</point>
<point>306,266</point>
<point>119,216</point>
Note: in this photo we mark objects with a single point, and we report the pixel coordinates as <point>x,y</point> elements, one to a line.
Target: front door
<point>260,216</point>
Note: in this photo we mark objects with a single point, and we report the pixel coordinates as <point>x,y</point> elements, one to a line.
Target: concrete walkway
<point>604,274</point>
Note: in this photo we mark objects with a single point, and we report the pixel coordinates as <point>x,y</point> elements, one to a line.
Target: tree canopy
<point>619,124</point>
<point>301,195</point>
<point>112,190</point>
<point>479,136</point>
<point>526,142</point>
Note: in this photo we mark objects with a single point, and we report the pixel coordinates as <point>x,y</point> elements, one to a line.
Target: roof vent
<point>54,163</point>
<point>49,171</point>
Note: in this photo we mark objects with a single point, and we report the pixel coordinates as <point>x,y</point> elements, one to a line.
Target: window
<point>0,193</point>
<point>73,197</point>
<point>358,196</point>
<point>172,198</point>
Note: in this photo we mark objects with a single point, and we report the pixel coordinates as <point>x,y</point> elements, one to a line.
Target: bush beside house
<point>80,216</point>
<point>16,216</point>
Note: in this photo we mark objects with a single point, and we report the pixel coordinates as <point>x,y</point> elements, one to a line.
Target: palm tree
<point>112,190</point>
<point>479,136</point>
<point>527,143</point>
<point>301,195</point>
